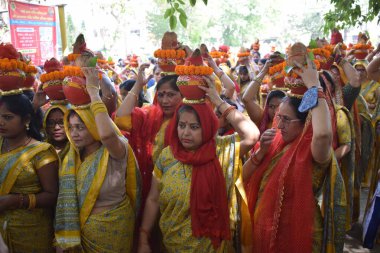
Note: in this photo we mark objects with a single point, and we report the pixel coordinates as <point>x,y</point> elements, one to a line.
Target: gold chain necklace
<point>9,149</point>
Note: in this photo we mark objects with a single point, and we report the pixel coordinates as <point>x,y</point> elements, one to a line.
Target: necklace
<point>8,148</point>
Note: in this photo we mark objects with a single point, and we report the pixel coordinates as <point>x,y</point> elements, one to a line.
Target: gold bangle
<point>32,201</point>
<point>134,94</point>
<point>218,106</point>
<point>93,86</point>
<point>220,74</point>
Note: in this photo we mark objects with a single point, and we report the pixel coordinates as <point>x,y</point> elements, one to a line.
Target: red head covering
<point>282,219</point>
<point>208,197</point>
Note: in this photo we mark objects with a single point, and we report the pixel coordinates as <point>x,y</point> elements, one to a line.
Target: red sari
<point>282,219</point>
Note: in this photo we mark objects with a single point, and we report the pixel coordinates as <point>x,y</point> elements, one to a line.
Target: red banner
<point>33,30</point>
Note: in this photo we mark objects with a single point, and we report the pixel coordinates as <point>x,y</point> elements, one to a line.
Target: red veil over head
<point>208,197</point>
<point>282,219</point>
<point>145,125</point>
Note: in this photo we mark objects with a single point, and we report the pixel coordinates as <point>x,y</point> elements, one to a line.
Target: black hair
<point>329,78</point>
<point>263,61</point>
<point>243,69</point>
<point>171,80</point>
<point>295,103</point>
<point>128,85</point>
<point>155,68</point>
<point>187,108</point>
<point>275,94</point>
<point>73,113</point>
<point>228,101</point>
<point>21,105</point>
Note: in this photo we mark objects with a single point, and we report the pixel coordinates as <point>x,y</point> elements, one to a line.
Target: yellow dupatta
<point>63,107</point>
<point>347,167</point>
<point>334,208</point>
<point>76,200</point>
<point>10,163</point>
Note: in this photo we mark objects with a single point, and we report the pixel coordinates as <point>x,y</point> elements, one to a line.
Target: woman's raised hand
<point>211,91</point>
<point>141,79</point>
<point>308,73</point>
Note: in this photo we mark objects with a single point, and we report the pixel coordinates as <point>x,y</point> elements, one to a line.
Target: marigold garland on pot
<point>170,53</point>
<point>294,75</point>
<point>245,54</point>
<point>13,64</point>
<point>193,70</point>
<point>60,75</point>
<point>72,57</point>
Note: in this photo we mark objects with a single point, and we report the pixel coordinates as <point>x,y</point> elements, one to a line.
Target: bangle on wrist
<point>218,106</point>
<point>258,80</point>
<point>32,201</point>
<point>228,111</point>
<point>134,94</point>
<point>254,160</point>
<point>220,74</point>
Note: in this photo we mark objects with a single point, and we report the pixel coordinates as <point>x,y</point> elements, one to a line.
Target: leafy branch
<point>176,12</point>
<point>350,13</point>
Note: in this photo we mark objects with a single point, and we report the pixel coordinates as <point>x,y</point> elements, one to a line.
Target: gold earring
<point>27,126</point>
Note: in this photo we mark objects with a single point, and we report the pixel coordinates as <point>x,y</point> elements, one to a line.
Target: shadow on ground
<point>353,242</point>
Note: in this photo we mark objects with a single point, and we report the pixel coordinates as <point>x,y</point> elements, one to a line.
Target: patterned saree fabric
<point>208,200</point>
<point>79,187</point>
<point>18,174</point>
<point>175,183</point>
<point>282,200</point>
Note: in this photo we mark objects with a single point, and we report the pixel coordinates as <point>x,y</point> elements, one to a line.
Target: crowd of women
<point>272,159</point>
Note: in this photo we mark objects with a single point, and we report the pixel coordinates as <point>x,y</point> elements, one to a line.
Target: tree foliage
<point>351,13</point>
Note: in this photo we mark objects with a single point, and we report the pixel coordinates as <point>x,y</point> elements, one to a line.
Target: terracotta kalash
<point>363,47</point>
<point>170,55</point>
<point>52,80</point>
<point>14,70</point>
<point>321,51</point>
<point>191,77</point>
<point>276,72</point>
<point>74,82</point>
<point>243,54</point>
<point>293,82</point>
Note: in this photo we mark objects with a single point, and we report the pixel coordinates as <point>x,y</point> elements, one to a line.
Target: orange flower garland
<point>277,68</point>
<point>294,75</point>
<point>217,54</point>
<point>322,52</point>
<point>73,57</point>
<point>361,46</point>
<point>245,54</point>
<point>170,54</point>
<point>101,61</point>
<point>13,64</point>
<point>182,70</point>
<point>60,75</point>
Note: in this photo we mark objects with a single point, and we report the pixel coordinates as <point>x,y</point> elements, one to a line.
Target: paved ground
<point>353,243</point>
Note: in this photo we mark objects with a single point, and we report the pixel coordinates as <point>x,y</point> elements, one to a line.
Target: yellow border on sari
<point>13,173</point>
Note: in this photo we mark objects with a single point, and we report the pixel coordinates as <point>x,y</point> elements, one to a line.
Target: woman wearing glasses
<point>54,129</point>
<point>286,171</point>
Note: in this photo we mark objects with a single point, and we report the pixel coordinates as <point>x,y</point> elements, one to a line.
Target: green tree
<point>71,31</point>
<point>351,13</point>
